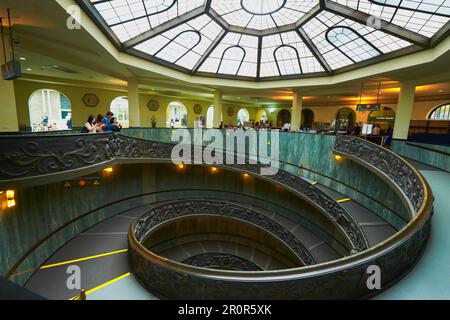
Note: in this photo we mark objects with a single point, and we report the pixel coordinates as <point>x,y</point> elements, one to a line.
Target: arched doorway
<point>261,116</point>
<point>210,117</point>
<point>344,118</point>
<point>177,116</point>
<point>284,116</point>
<point>119,106</point>
<point>307,118</point>
<point>243,116</point>
<point>49,110</point>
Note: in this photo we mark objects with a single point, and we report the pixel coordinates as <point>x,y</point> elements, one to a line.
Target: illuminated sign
<point>368,107</point>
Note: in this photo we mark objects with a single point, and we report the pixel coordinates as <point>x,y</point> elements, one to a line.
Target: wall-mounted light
<point>181,165</point>
<point>108,170</point>
<point>246,175</point>
<point>82,183</point>
<point>10,198</point>
<point>338,157</point>
<point>213,169</point>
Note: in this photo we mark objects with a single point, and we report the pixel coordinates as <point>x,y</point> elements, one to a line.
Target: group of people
<point>101,123</point>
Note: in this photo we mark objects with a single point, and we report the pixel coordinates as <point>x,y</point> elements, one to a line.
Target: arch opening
<point>119,106</point>
<point>49,110</point>
<point>177,116</point>
<point>243,116</point>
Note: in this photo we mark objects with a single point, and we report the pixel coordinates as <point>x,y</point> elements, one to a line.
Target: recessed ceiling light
<point>23,58</point>
<point>29,69</point>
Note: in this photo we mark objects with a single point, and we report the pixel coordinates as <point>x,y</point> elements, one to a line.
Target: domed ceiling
<point>270,39</point>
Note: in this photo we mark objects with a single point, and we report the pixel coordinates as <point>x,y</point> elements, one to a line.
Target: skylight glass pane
<point>129,18</point>
<point>190,41</point>
<point>318,27</point>
<point>425,17</point>
<point>262,14</point>
<point>248,43</point>
<point>351,44</point>
<point>185,44</point>
<point>287,59</point>
<point>231,60</point>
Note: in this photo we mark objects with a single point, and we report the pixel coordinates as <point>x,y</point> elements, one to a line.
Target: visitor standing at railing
<point>89,126</point>
<point>113,125</point>
<point>100,124</point>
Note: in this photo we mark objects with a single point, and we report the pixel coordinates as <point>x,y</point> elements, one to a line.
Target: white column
<point>296,111</point>
<point>217,118</point>
<point>133,103</point>
<point>404,110</point>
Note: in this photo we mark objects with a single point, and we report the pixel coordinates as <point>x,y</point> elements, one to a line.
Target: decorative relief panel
<point>153,105</point>
<point>388,164</point>
<point>197,109</point>
<point>90,100</point>
<point>41,155</point>
<point>160,214</point>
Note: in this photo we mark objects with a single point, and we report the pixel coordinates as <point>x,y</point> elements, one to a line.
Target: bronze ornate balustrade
<point>339,279</point>
<point>174,209</point>
<point>404,178</point>
<point>31,158</point>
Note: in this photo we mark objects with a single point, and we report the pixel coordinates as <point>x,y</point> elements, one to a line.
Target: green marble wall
<point>310,156</point>
<point>44,209</point>
<point>434,159</point>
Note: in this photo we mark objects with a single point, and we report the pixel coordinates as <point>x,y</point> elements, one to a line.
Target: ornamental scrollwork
<point>387,163</point>
<point>32,156</point>
<point>162,213</point>
<point>222,261</point>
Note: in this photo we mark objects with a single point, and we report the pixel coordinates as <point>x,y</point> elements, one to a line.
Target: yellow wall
<point>24,89</point>
<point>80,113</point>
<point>421,109</point>
<point>8,118</point>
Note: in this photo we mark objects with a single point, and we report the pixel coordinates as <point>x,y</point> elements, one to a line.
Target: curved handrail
<point>33,158</point>
<point>405,246</point>
<point>340,264</point>
<point>173,209</point>
<point>395,254</point>
<point>218,228</point>
<point>399,173</point>
<point>11,272</point>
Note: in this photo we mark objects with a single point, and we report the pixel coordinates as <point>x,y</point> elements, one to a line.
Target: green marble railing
<point>433,155</point>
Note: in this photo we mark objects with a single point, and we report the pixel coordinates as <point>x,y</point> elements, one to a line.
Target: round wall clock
<point>153,105</point>
<point>197,109</point>
<point>90,100</point>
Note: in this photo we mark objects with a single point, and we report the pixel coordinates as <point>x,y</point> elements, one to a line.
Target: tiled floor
<point>430,278</point>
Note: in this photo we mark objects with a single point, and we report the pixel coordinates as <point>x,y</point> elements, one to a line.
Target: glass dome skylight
<point>269,39</point>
